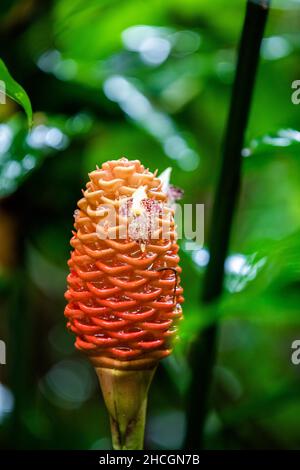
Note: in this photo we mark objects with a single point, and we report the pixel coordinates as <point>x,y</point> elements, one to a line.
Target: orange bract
<point>124,295</point>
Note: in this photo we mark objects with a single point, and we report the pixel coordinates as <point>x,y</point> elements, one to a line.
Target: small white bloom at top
<point>137,198</point>
<point>165,177</point>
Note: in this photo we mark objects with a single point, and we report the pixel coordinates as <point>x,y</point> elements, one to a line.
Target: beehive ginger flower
<point>124,295</point>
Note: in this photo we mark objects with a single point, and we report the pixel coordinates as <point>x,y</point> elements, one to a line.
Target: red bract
<point>123,294</point>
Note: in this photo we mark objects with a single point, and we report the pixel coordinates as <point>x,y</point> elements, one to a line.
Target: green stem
<point>203,350</point>
<point>125,394</point>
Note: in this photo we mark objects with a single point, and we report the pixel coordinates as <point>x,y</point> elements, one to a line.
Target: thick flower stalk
<point>123,288</point>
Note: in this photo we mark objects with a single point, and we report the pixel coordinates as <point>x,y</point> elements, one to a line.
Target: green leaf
<point>15,91</point>
<point>284,143</point>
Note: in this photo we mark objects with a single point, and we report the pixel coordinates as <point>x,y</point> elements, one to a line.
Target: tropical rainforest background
<point>149,80</point>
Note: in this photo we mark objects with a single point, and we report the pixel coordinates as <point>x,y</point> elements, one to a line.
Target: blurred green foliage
<point>149,80</point>
<point>15,91</point>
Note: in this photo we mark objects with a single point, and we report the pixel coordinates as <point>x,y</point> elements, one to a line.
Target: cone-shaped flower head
<point>123,288</point>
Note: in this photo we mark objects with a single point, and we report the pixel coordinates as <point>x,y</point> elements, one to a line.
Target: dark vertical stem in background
<point>203,350</point>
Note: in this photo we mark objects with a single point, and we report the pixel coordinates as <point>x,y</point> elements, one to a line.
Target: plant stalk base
<point>125,394</point>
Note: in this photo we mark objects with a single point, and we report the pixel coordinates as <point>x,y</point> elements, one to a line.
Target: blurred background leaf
<point>12,89</point>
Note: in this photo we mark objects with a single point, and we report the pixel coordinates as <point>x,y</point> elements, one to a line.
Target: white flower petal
<point>137,197</point>
<point>165,177</point>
